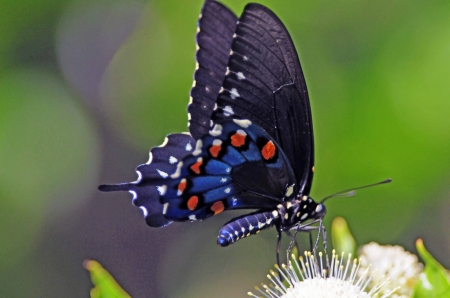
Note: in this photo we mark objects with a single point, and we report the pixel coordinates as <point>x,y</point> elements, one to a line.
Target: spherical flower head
<point>393,262</point>
<point>310,278</point>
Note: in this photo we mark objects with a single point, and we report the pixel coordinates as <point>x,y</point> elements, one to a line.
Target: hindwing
<point>147,189</point>
<point>236,166</point>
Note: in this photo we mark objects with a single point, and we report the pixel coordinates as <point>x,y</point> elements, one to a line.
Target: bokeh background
<point>88,87</point>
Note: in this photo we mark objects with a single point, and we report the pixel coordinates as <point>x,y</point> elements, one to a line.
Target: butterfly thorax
<point>296,211</point>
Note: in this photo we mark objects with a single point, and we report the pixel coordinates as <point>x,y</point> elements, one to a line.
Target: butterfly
<point>250,143</point>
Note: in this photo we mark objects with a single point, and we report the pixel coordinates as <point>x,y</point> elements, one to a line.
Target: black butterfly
<point>250,143</point>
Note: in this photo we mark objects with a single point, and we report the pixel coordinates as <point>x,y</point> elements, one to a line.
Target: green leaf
<point>435,280</point>
<point>341,236</point>
<point>105,285</point>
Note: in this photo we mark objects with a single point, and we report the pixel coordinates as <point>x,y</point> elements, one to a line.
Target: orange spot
<point>268,151</point>
<point>196,166</point>
<point>214,150</point>
<point>182,186</point>
<point>238,139</point>
<point>312,169</point>
<point>217,207</point>
<point>192,203</point>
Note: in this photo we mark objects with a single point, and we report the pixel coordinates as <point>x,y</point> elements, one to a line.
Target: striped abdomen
<point>245,226</point>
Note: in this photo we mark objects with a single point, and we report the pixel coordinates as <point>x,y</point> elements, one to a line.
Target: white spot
<point>173,159</point>
<point>245,58</point>
<point>275,213</point>
<point>279,206</point>
<point>234,35</point>
<point>144,211</point>
<point>228,71</point>
<point>244,123</point>
<point>231,53</point>
<point>234,202</point>
<point>178,171</point>
<point>240,76</point>
<point>243,230</point>
<point>150,157</point>
<point>192,217</point>
<point>319,208</point>
<point>228,110</point>
<point>162,173</point>
<point>304,198</point>
<point>166,140</point>
<point>191,100</point>
<point>221,90</point>
<point>198,148</point>
<point>138,179</point>
<point>236,233</point>
<point>166,205</point>
<point>298,214</point>
<point>197,47</point>
<point>227,190</point>
<point>188,146</point>
<point>211,123</point>
<point>234,93</point>
<point>189,117</point>
<point>289,191</point>
<point>288,205</point>
<point>207,89</point>
<point>304,206</point>
<point>133,193</point>
<point>196,66</point>
<point>228,170</point>
<point>217,142</point>
<point>194,83</point>
<point>162,189</point>
<point>261,225</point>
<point>223,180</point>
<point>309,200</point>
<point>286,216</point>
<point>269,220</point>
<point>216,131</point>
<point>250,227</point>
<point>305,215</point>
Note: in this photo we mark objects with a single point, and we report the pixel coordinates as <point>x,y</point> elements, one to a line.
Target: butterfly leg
<point>325,244</point>
<point>291,244</point>
<point>278,254</point>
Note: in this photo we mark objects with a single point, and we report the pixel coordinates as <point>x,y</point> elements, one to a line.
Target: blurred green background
<point>88,87</point>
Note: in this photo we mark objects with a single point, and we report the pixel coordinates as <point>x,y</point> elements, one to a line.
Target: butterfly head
<point>299,210</point>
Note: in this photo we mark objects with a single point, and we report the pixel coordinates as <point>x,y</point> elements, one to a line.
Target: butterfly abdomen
<point>245,226</point>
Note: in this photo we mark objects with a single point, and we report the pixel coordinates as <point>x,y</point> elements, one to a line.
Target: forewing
<point>265,84</point>
<point>216,26</point>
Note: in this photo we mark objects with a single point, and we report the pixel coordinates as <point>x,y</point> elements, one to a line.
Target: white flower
<point>311,279</point>
<point>400,266</point>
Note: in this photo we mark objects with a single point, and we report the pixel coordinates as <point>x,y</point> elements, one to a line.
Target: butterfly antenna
<point>351,192</point>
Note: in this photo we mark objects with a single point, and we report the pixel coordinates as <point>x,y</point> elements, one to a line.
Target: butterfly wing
<point>264,83</point>
<point>146,190</point>
<point>216,26</point>
<point>236,166</point>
